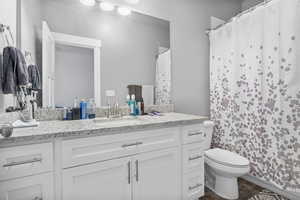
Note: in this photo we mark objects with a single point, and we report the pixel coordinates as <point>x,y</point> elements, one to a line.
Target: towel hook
<point>3,29</point>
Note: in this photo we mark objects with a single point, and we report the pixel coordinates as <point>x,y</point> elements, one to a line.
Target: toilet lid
<point>226,157</point>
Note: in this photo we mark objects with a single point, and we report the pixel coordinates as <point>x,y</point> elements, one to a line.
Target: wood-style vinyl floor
<point>246,189</point>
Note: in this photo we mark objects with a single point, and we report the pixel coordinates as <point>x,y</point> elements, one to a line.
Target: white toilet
<point>222,168</point>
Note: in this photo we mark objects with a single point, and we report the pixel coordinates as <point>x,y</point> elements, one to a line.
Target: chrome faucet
<point>113,111</point>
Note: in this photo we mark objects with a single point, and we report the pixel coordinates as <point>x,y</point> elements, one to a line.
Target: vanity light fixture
<point>125,11</point>
<point>88,2</point>
<point>132,1</point>
<point>106,6</point>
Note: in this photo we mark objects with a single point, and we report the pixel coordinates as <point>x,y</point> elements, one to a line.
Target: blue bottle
<point>83,109</point>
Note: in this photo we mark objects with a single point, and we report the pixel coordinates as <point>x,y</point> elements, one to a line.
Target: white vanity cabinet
<point>146,176</point>
<point>166,163</point>
<point>26,172</point>
<point>149,167</point>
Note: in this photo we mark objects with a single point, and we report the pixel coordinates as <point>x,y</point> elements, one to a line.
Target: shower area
<point>255,90</point>
<point>163,77</point>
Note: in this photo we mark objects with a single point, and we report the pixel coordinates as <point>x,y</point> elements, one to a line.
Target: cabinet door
<point>38,187</point>
<point>157,175</point>
<point>109,180</point>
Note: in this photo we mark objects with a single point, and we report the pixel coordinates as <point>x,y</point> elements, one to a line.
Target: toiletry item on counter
<point>128,99</point>
<point>75,112</point>
<point>65,112</point>
<point>139,108</point>
<point>132,105</point>
<point>70,114</point>
<point>136,107</point>
<point>135,90</point>
<point>91,109</point>
<point>155,113</point>
<point>83,109</point>
<point>142,108</point>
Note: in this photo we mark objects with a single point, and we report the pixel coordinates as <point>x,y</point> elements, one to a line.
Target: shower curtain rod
<point>239,15</point>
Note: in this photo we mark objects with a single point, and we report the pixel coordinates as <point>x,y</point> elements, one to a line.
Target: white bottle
<point>132,105</point>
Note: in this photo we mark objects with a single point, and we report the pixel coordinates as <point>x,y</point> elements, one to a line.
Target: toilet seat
<point>227,158</point>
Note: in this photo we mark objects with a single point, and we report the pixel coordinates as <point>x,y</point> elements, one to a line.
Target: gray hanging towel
<point>14,70</point>
<point>21,70</point>
<point>34,77</point>
<point>8,70</point>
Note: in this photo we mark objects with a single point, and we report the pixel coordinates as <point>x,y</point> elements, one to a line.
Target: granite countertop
<point>47,131</point>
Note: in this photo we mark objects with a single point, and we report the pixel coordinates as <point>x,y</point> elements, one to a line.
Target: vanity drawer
<point>36,187</point>
<point>193,185</point>
<point>94,149</point>
<point>193,133</point>
<point>25,160</point>
<point>159,139</point>
<point>193,157</point>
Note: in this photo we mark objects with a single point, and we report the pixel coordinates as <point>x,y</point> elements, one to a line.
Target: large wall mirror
<point>83,51</point>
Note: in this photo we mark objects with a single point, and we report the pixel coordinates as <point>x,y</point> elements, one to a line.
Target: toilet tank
<point>208,128</point>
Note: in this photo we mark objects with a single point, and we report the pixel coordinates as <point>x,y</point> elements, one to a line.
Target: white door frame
<point>84,42</point>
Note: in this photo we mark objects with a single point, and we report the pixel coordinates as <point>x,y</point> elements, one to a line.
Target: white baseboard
<point>264,184</point>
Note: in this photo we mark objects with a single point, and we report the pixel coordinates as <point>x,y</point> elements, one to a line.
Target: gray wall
<point>190,45</point>
<point>74,74</point>
<point>129,44</point>
<point>246,4</point>
<point>31,32</point>
<point>8,16</point>
<point>31,28</point>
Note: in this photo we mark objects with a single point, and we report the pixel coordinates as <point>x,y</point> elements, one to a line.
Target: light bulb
<point>124,11</point>
<point>88,2</point>
<point>132,1</point>
<point>107,6</point>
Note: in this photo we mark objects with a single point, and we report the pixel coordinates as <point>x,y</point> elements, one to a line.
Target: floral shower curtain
<point>163,79</point>
<point>255,90</point>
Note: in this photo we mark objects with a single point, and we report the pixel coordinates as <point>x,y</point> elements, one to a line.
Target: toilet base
<point>224,187</point>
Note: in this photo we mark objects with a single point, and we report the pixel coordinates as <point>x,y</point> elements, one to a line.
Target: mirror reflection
<point>92,52</point>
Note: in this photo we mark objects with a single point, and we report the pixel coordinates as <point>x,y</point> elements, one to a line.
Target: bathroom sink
<point>126,120</point>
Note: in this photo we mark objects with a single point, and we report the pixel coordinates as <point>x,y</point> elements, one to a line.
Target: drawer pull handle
<point>195,133</point>
<point>195,158</point>
<point>129,172</point>
<point>38,198</point>
<point>137,170</point>
<point>23,162</point>
<point>133,144</point>
<point>195,186</point>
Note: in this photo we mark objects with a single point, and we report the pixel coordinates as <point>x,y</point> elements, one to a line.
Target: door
<point>110,180</point>
<point>157,175</point>
<point>48,66</point>
<point>38,187</point>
